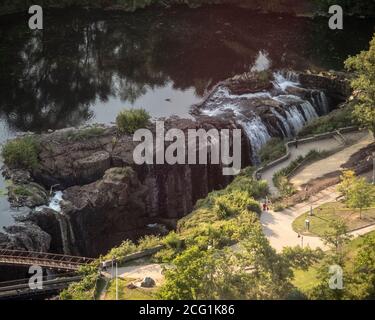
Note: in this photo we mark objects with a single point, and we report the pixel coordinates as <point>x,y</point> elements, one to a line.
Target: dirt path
<point>303,149</point>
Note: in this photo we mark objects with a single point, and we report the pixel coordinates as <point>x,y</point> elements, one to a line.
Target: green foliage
<point>148,242</point>
<point>281,177</point>
<point>339,118</point>
<point>361,195</point>
<point>347,180</point>
<point>84,134</point>
<point>22,191</point>
<point>21,153</point>
<point>129,121</point>
<point>272,150</point>
<point>302,258</point>
<point>221,274</point>
<point>337,238</point>
<point>127,247</point>
<point>364,85</point>
<point>84,289</point>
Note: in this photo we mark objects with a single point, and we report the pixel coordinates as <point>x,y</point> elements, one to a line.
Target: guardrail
<point>257,173</point>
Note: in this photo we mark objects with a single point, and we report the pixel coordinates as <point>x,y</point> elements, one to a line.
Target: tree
<point>360,195</point>
<point>364,85</point>
<point>337,238</point>
<point>347,179</point>
<point>255,271</point>
<point>364,269</point>
<point>302,258</point>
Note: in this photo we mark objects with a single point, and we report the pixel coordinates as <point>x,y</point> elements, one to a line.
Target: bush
<point>84,134</point>
<point>148,242</point>
<point>129,121</point>
<point>337,119</point>
<point>173,241</point>
<point>272,150</point>
<point>21,153</point>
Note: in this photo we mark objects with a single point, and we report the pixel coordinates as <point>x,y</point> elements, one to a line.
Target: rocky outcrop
<point>25,236</point>
<point>109,198</point>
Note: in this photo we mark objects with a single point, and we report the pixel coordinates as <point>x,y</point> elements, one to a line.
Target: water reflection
<point>86,66</point>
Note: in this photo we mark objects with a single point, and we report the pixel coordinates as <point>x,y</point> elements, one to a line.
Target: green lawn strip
<point>124,293</point>
<point>331,211</point>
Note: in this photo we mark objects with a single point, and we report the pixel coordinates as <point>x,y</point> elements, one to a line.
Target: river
<point>85,66</point>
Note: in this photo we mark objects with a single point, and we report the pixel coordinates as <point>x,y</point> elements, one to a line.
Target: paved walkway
<point>332,163</point>
<point>303,149</point>
<point>277,226</point>
<point>138,272</point>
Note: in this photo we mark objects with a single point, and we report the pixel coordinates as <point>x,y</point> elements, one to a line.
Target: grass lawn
<point>323,215</point>
<point>128,294</point>
<point>306,280</point>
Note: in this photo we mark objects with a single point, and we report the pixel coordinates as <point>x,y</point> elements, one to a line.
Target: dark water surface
<point>85,66</point>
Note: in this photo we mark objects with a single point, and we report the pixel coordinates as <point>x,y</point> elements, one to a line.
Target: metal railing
<point>49,260</point>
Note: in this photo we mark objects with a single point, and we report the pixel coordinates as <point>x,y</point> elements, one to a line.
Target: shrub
<point>337,119</point>
<point>272,150</point>
<point>172,240</point>
<point>21,153</point>
<point>84,134</point>
<point>129,121</point>
<point>148,242</point>
<point>253,206</point>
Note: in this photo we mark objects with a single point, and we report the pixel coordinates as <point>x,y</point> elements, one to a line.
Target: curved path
<point>331,163</point>
<point>328,144</point>
<point>277,226</point>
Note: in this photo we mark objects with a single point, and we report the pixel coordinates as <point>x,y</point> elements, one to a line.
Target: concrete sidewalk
<point>277,226</point>
<point>321,145</point>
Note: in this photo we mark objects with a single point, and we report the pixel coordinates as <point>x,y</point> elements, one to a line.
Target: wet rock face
<point>106,212</point>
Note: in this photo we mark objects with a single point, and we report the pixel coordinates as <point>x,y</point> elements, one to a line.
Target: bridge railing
<point>52,260</point>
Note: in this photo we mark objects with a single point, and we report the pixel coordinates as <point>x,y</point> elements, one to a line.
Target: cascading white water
<point>257,134</point>
<point>66,230</point>
<point>295,118</point>
<point>284,121</point>
<point>324,102</point>
<point>298,111</point>
<point>309,111</point>
<point>283,80</point>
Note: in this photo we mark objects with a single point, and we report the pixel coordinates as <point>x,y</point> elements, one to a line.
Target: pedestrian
<point>264,206</point>
<point>296,142</point>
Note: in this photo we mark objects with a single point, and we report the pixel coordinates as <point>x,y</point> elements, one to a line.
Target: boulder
<point>148,282</point>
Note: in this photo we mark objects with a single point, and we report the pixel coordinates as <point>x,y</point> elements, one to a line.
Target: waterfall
<point>300,106</point>
<point>320,101</point>
<point>324,102</point>
<point>287,129</point>
<point>257,134</point>
<point>283,80</point>
<point>66,230</point>
<point>309,111</point>
<point>295,118</point>
<point>64,234</point>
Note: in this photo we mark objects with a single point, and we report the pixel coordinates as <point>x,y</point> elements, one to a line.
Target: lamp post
<point>301,236</point>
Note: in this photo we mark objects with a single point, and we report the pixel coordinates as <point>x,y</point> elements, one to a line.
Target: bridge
<point>20,289</point>
<point>47,260</point>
